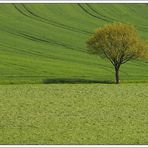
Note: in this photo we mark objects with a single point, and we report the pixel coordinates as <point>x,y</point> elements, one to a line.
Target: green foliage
<point>117,42</point>
<point>73,114</point>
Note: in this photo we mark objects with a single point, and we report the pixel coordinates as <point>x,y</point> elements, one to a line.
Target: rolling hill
<point>41,43</point>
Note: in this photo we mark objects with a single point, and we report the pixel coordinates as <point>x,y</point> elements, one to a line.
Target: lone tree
<point>118,43</point>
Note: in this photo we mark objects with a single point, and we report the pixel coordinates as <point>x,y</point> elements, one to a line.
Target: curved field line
<point>48,41</point>
<point>89,13</point>
<point>19,66</point>
<point>50,22</point>
<point>105,17</point>
<point>30,52</point>
<point>39,54</point>
<point>140,27</point>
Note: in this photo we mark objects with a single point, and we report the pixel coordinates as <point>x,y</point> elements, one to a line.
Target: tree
<point>118,43</point>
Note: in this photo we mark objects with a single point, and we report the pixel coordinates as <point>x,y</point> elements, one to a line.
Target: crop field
<point>43,43</point>
<point>74,114</point>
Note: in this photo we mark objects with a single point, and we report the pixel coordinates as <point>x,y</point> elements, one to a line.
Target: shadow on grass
<point>74,81</point>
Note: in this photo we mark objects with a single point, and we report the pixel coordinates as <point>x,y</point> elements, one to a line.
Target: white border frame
<point>75,146</point>
<point>73,1</point>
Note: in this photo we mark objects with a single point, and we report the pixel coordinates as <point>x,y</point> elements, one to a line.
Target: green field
<point>74,114</point>
<point>43,43</point>
<point>46,43</point>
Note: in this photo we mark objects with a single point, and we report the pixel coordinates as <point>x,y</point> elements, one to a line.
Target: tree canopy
<point>118,43</point>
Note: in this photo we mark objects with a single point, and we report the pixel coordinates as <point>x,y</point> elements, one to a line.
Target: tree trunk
<point>117,75</point>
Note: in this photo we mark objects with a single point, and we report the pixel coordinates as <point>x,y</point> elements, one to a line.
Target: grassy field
<point>46,43</point>
<point>41,43</point>
<point>74,114</point>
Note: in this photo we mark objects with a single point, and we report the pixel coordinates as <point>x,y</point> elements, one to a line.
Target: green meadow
<point>45,43</point>
<point>42,44</point>
<point>74,114</point>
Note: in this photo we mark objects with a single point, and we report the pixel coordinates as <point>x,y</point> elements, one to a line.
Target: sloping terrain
<point>40,43</point>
